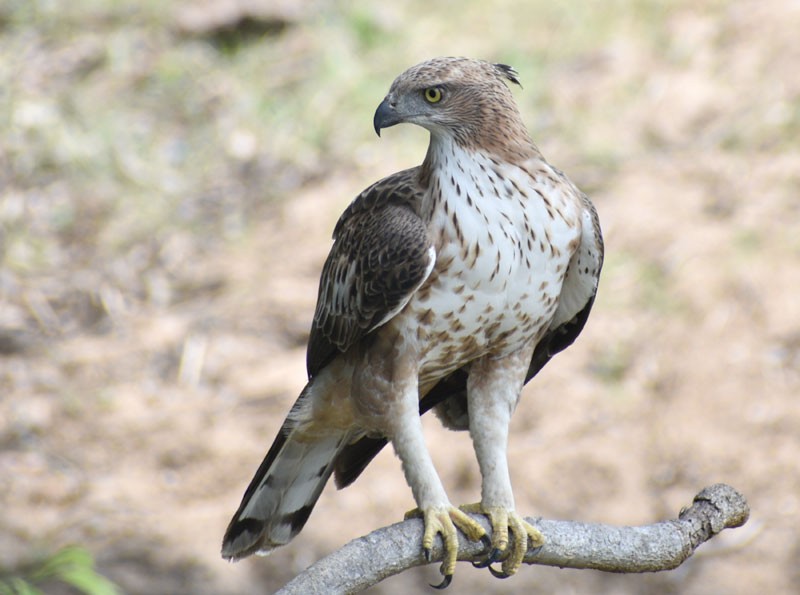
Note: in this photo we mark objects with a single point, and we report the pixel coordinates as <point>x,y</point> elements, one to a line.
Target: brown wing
<point>380,256</point>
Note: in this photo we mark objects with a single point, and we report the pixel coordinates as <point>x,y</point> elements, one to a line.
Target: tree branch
<point>385,552</point>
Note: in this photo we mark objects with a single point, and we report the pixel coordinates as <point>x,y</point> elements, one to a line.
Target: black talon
<point>487,543</point>
<point>427,553</point>
<point>493,557</point>
<point>534,551</point>
<point>481,564</point>
<point>498,573</point>
<point>448,578</point>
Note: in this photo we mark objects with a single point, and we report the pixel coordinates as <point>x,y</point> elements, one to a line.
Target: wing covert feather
<point>380,256</point>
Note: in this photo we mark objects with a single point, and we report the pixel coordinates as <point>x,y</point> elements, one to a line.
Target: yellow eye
<point>433,94</point>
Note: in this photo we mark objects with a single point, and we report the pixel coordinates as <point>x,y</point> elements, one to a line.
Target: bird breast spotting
<point>500,259</point>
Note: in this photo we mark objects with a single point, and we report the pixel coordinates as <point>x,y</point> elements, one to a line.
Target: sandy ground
<point>137,437</point>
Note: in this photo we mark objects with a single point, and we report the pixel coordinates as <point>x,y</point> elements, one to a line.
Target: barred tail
<point>283,491</point>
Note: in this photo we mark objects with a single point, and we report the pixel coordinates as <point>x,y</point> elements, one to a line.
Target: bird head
<point>453,97</point>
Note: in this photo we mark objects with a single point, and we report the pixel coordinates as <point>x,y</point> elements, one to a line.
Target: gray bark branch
<point>367,560</point>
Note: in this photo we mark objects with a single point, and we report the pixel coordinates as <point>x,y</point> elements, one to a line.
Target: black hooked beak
<point>386,115</point>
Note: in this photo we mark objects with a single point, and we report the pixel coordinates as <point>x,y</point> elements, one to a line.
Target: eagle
<point>447,288</point>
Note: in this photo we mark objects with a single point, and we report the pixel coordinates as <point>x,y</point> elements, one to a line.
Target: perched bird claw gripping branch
<point>448,287</point>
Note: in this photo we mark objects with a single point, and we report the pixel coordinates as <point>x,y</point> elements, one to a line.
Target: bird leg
<point>492,391</point>
<point>433,506</point>
<point>389,368</point>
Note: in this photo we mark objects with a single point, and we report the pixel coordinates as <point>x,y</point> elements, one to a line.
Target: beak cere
<point>385,116</point>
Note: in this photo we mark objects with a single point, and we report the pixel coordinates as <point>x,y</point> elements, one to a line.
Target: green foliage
<point>71,566</point>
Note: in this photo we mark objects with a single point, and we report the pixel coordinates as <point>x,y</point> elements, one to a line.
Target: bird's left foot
<point>502,520</point>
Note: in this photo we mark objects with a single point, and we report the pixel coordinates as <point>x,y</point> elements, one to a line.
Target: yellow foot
<point>444,521</point>
<point>502,520</point>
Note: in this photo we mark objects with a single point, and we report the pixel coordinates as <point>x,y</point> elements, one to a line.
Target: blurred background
<point>170,174</point>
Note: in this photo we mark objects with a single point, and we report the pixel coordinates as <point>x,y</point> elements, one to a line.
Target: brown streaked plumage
<point>448,287</point>
<point>379,258</point>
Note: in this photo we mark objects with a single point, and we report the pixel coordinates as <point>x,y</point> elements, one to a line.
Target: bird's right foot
<point>444,521</point>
